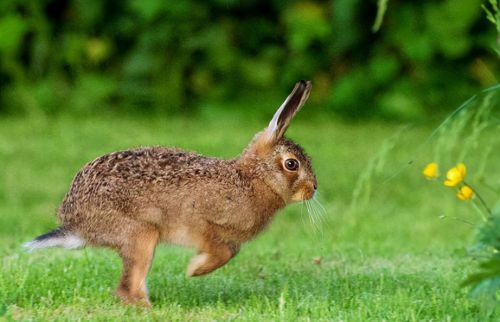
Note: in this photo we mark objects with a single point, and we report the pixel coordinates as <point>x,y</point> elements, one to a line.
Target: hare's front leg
<point>137,254</point>
<point>211,256</point>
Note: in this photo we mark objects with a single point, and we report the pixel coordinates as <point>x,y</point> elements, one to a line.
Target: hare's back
<point>118,178</point>
<point>138,167</point>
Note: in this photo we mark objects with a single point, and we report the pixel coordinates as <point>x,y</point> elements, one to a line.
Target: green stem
<point>479,210</point>
<point>481,200</point>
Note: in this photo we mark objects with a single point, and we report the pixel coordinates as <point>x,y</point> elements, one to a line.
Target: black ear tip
<point>305,82</point>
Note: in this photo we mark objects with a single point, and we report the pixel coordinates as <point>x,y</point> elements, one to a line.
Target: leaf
<point>12,31</point>
<point>381,9</point>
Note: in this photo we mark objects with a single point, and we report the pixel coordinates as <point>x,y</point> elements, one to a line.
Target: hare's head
<point>279,162</point>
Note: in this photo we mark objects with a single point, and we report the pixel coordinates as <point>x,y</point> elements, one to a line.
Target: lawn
<point>387,249</point>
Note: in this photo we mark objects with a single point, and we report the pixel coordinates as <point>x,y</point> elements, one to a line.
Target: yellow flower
<point>455,175</point>
<point>465,193</point>
<point>431,171</point>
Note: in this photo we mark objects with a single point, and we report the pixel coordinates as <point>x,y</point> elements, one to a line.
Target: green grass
<point>386,257</point>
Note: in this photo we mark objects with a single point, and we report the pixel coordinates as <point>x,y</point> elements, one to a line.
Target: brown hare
<point>132,200</point>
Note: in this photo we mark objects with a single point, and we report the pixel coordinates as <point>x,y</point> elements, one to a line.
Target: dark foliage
<point>85,56</point>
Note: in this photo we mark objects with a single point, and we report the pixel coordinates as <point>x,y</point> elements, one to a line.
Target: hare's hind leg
<point>211,256</point>
<point>137,254</point>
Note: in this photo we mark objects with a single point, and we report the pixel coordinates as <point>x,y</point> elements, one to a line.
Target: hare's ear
<point>279,123</point>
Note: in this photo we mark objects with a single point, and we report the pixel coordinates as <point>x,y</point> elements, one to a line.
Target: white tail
<point>56,238</point>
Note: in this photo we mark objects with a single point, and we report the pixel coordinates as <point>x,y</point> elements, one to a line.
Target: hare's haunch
<point>132,200</point>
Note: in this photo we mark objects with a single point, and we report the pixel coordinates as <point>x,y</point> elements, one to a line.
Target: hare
<point>132,200</point>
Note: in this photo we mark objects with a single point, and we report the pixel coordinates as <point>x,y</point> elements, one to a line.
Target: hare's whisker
<point>302,210</point>
<point>320,214</point>
<point>320,209</point>
<point>320,206</point>
<point>311,216</point>
<point>316,199</point>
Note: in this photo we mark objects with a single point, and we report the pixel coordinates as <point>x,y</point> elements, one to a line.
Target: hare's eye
<point>291,164</point>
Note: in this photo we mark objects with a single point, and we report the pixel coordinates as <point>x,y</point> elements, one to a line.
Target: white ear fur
<point>292,104</point>
<point>273,125</point>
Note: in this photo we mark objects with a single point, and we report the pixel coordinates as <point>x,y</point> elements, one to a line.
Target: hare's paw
<point>139,298</point>
<point>197,262</point>
<point>207,261</point>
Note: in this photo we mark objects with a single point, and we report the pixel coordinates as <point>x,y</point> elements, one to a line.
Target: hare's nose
<point>315,186</point>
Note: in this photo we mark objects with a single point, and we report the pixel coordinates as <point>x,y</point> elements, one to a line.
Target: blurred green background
<point>89,56</point>
<point>79,79</point>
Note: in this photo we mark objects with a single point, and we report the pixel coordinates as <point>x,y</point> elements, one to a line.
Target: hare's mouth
<point>305,192</point>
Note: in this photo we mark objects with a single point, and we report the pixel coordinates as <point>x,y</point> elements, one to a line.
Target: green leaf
<point>12,30</point>
<point>381,9</point>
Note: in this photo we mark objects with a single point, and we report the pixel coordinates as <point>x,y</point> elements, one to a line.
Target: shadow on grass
<point>303,285</point>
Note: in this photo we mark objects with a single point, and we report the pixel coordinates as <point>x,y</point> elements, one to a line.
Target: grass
<point>387,256</point>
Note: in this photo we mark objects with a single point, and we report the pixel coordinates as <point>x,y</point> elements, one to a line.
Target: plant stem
<point>481,200</point>
<point>480,211</point>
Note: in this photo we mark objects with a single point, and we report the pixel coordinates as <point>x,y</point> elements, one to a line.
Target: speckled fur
<point>131,200</point>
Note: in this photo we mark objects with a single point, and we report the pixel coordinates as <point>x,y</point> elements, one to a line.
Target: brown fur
<point>132,200</point>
